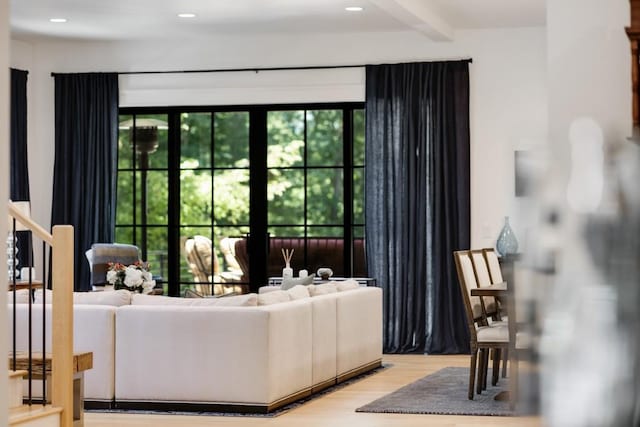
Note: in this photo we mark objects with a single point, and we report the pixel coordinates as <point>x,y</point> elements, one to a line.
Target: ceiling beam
<point>418,15</point>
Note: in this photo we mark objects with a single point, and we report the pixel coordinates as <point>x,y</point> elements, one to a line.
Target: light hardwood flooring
<point>337,409</point>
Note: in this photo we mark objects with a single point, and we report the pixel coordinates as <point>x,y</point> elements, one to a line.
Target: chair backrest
<point>467,280</point>
<point>494,265</point>
<point>228,249</point>
<point>101,254</point>
<point>201,257</point>
<point>483,279</point>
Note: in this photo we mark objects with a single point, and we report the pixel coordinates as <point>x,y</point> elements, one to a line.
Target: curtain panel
<point>84,179</point>
<point>18,159</point>
<point>19,174</point>
<point>418,200</point>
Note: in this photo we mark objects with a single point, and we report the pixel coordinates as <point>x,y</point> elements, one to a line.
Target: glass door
<point>214,201</point>
<point>305,189</point>
<point>212,195</point>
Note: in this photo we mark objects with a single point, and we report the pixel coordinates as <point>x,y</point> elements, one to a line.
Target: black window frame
<point>258,170</point>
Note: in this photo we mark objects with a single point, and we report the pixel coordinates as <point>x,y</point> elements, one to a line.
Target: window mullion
<point>347,145</point>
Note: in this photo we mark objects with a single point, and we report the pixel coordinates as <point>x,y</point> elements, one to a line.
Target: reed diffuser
<point>287,271</point>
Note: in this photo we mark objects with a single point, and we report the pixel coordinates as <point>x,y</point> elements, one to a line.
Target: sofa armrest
<point>359,328</point>
<point>93,330</point>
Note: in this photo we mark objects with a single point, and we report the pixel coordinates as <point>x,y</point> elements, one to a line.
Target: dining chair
<point>494,309</point>
<point>493,264</point>
<point>101,254</point>
<point>483,279</point>
<point>483,337</point>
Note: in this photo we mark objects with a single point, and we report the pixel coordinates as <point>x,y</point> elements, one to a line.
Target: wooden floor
<point>337,409</point>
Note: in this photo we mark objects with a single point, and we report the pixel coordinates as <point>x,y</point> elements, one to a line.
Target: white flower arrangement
<point>134,278</point>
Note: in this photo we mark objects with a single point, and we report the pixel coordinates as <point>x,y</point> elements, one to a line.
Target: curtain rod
<point>235,70</point>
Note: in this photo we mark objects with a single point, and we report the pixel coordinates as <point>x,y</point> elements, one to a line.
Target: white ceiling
<point>154,19</point>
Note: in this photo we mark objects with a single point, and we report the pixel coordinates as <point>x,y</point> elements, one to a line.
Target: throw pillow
<point>347,285</point>
<point>245,300</point>
<point>265,289</point>
<point>114,298</point>
<point>274,297</point>
<point>298,292</point>
<point>323,289</point>
<point>290,282</point>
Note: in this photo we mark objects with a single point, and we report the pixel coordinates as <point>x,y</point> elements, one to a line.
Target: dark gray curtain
<point>19,166</point>
<point>84,177</point>
<point>417,200</point>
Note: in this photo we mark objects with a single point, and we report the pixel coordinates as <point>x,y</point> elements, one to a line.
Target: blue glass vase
<point>507,243</point>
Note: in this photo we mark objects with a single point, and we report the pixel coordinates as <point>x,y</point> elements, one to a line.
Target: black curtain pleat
<point>418,200</point>
<point>19,166</point>
<point>84,178</point>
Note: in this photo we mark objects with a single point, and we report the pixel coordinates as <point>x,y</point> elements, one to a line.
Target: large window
<point>209,194</point>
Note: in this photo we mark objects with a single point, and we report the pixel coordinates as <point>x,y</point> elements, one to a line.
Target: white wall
<point>4,187</point>
<point>589,66</point>
<point>508,91</point>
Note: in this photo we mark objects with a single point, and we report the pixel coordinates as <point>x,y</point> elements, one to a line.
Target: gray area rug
<point>443,392</point>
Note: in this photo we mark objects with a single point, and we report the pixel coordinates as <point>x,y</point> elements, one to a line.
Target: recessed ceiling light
<point>58,20</point>
<point>354,9</point>
<point>187,15</point>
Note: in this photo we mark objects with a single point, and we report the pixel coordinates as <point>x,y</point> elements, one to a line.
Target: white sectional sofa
<point>249,353</point>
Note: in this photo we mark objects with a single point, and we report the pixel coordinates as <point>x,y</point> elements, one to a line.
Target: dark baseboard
<point>190,407</point>
<point>323,385</point>
<point>361,370</point>
<point>208,407</point>
<point>99,404</point>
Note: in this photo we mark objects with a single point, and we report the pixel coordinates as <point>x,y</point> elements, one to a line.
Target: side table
<point>24,284</point>
<point>362,281</point>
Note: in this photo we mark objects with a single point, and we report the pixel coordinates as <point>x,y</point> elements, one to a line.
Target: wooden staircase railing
<point>61,243</point>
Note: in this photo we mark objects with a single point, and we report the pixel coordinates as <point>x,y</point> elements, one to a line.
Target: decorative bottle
<point>287,271</point>
<point>507,243</point>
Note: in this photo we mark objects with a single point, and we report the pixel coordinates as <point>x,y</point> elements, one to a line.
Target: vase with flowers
<point>134,278</point>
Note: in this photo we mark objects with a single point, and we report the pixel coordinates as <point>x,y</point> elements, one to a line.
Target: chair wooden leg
<point>472,371</point>
<point>496,366</point>
<point>486,368</point>
<point>481,370</point>
<point>505,359</point>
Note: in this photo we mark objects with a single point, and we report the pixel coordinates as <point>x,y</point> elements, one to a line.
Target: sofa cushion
<point>322,289</point>
<point>114,298</point>
<point>298,292</point>
<point>274,297</point>
<point>265,289</point>
<point>246,300</point>
<point>347,285</point>
<point>22,296</point>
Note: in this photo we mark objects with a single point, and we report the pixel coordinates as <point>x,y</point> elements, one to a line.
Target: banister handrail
<point>29,223</point>
<point>61,242</point>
